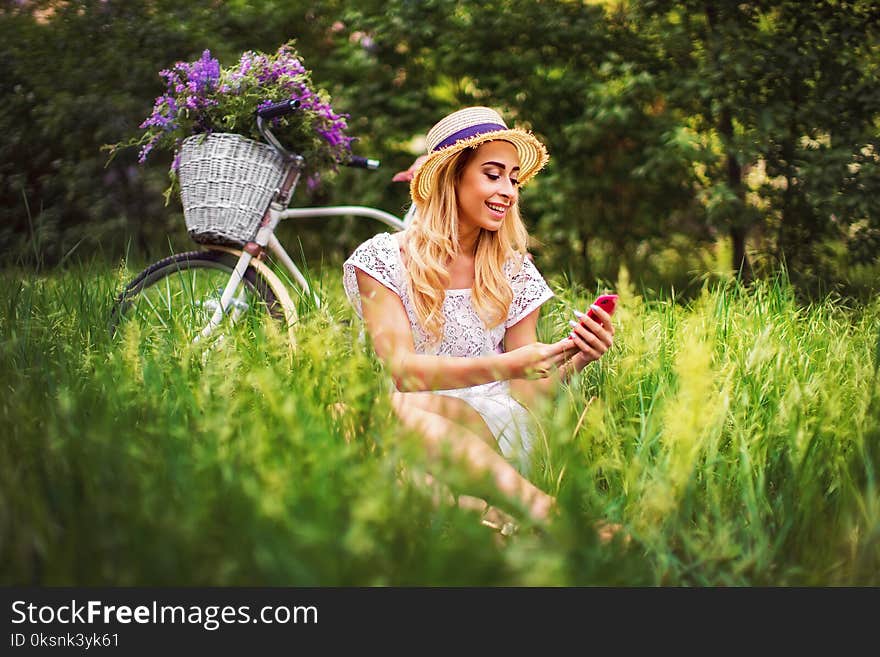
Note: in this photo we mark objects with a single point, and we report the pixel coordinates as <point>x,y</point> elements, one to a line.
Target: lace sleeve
<point>378,257</point>
<point>530,290</point>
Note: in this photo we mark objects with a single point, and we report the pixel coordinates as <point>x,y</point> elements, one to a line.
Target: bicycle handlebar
<point>275,110</point>
<point>359,162</point>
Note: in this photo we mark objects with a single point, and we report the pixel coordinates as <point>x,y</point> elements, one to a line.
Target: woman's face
<point>488,186</point>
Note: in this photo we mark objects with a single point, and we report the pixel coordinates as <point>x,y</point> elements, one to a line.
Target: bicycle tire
<point>186,295</point>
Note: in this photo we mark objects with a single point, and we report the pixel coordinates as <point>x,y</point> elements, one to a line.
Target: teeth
<point>497,208</point>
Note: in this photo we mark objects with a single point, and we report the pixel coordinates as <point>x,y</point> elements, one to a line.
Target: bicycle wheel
<point>177,296</point>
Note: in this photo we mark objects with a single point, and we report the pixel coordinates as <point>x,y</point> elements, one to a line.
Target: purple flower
<point>142,156</point>
<point>202,97</point>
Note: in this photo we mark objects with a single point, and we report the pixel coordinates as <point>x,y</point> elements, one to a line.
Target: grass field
<point>736,438</point>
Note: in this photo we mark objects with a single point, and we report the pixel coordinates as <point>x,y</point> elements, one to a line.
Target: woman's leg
<point>490,515</point>
<point>461,413</point>
<point>454,409</point>
<point>443,436</point>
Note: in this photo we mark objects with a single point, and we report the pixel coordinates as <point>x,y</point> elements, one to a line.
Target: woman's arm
<point>390,332</point>
<point>529,392</point>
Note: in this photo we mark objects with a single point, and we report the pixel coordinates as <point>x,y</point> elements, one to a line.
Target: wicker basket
<point>226,183</point>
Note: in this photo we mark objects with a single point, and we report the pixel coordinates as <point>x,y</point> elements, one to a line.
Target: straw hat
<point>470,127</point>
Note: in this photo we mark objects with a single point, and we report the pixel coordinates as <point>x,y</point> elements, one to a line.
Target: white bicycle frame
<point>268,241</point>
<point>330,211</point>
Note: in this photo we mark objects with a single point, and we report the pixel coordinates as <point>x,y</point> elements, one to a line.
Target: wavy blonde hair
<point>432,242</point>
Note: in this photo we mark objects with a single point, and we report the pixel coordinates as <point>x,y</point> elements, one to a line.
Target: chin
<point>492,224</point>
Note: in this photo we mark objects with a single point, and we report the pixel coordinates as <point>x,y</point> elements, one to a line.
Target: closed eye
<point>493,176</point>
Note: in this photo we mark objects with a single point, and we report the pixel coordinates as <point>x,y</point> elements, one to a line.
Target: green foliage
<point>72,82</point>
<point>735,439</point>
<point>667,122</point>
<point>788,88</point>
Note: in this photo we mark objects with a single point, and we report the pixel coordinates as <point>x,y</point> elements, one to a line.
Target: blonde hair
<point>432,243</point>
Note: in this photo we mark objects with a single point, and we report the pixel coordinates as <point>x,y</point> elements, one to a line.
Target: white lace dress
<point>464,334</point>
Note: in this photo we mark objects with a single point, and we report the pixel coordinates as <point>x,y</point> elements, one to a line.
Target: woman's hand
<point>538,360</point>
<point>591,337</point>
<point>406,176</point>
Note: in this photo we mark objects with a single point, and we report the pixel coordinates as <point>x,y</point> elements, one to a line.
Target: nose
<point>508,189</point>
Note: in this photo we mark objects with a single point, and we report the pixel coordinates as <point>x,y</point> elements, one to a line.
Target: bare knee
<point>453,409</point>
<point>399,402</point>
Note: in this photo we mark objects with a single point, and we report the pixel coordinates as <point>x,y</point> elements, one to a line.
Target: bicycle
<point>194,291</point>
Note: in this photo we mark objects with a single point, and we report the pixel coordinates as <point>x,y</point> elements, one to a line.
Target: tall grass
<point>737,439</point>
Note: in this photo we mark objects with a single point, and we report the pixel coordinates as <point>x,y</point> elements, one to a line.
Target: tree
<point>790,86</point>
<point>78,75</point>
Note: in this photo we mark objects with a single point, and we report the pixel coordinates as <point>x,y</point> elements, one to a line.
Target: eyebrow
<point>500,166</point>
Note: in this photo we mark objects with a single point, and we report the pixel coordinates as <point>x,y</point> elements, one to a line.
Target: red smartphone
<point>607,302</point>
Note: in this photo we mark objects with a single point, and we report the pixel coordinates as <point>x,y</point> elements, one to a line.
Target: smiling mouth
<point>497,208</point>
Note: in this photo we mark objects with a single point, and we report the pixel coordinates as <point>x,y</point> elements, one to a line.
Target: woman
<point>451,305</point>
